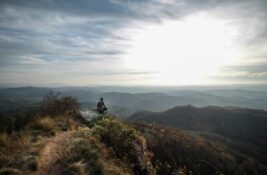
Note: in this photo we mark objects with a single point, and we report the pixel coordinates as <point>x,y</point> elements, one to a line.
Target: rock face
<point>143,163</point>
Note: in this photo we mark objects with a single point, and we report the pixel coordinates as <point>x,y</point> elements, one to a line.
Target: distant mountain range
<point>123,103</point>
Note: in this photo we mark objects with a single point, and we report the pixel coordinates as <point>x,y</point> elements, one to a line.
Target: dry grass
<point>52,152</point>
<point>21,149</point>
<point>66,123</point>
<point>77,151</point>
<point>13,147</point>
<point>50,125</point>
<point>30,147</point>
<point>45,124</point>
<point>86,153</point>
<point>10,171</point>
<point>31,163</point>
<point>77,168</point>
<point>4,139</point>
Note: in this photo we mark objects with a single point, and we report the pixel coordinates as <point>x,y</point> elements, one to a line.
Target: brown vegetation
<point>127,143</point>
<point>58,141</point>
<point>54,104</point>
<point>175,150</point>
<point>22,141</point>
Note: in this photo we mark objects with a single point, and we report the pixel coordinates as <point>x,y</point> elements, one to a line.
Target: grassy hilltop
<point>55,139</point>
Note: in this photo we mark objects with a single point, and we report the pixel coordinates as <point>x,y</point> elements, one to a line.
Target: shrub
<point>54,104</point>
<point>16,120</point>
<point>10,171</point>
<point>86,154</point>
<point>31,163</point>
<point>76,168</point>
<point>12,148</point>
<point>81,150</point>
<point>65,123</point>
<point>4,140</point>
<point>117,135</point>
<point>49,125</point>
<point>127,143</point>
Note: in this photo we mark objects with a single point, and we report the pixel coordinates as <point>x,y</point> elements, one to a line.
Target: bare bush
<point>54,104</point>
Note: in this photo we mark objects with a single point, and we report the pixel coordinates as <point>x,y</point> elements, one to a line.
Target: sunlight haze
<point>118,42</point>
<point>184,52</point>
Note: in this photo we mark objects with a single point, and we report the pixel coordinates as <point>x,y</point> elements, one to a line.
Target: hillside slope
<point>242,129</point>
<point>110,146</point>
<point>57,140</point>
<point>177,151</point>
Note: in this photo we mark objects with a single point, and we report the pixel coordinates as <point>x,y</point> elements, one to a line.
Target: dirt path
<point>52,153</point>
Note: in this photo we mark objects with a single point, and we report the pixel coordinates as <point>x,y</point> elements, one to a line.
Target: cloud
<point>248,74</point>
<point>250,69</point>
<point>87,38</point>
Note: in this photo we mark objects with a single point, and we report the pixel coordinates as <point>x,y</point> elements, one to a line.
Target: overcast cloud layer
<point>83,42</point>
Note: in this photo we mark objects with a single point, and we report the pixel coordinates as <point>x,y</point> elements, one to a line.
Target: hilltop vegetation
<point>57,140</point>
<point>241,129</point>
<point>235,123</point>
<point>175,150</point>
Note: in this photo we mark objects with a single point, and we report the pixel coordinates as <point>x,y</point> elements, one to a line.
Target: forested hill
<point>243,129</point>
<point>232,122</point>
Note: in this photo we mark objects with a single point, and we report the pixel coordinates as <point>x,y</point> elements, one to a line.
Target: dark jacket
<point>101,105</point>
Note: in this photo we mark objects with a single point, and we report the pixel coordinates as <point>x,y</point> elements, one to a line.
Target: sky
<point>133,42</point>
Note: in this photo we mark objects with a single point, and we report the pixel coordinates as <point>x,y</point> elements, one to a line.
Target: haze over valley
<point>124,101</point>
<point>133,87</point>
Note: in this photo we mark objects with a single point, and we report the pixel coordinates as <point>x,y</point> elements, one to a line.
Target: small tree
<point>54,104</point>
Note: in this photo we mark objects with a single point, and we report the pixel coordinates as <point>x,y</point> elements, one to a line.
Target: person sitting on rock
<point>101,107</point>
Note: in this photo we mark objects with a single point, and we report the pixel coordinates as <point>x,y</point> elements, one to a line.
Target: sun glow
<point>183,52</point>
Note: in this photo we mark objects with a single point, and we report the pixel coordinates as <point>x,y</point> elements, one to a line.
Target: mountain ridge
<point>245,128</point>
